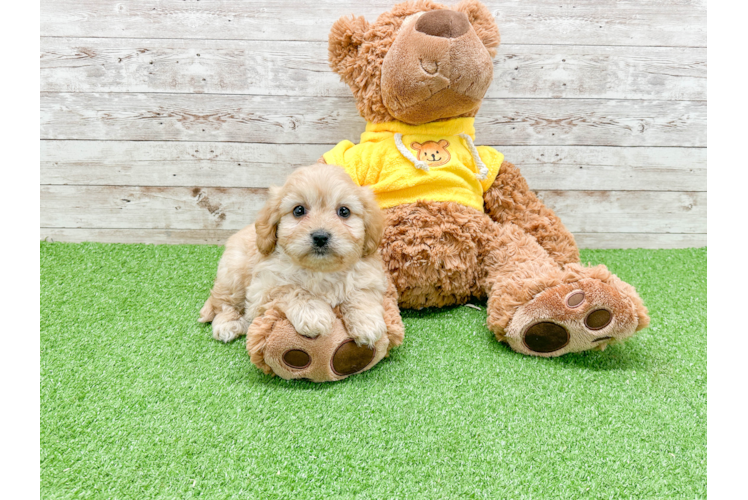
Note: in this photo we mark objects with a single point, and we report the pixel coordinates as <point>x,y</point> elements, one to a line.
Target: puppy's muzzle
<point>320,240</point>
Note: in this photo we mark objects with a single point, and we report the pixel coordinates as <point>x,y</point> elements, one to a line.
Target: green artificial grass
<point>138,401</point>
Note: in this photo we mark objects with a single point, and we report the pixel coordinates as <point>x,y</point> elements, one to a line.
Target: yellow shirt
<point>446,171</point>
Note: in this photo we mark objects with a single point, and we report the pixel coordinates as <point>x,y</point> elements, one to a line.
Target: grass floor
<point>137,400</point>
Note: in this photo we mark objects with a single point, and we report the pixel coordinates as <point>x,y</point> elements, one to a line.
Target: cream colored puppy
<point>312,248</point>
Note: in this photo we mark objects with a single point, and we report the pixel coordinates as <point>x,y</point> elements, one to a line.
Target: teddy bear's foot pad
<point>348,358</point>
<point>351,358</point>
<point>333,356</point>
<point>572,317</point>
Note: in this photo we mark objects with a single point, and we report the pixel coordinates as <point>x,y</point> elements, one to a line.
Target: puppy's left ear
<point>483,23</point>
<point>267,221</point>
<point>373,221</point>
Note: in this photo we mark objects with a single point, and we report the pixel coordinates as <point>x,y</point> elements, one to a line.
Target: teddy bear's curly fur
<point>421,63</point>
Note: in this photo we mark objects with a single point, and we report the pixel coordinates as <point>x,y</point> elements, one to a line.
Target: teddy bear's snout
<point>443,23</point>
<point>437,67</point>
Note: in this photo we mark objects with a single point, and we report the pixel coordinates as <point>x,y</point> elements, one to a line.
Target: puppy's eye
<point>344,212</point>
<point>299,211</point>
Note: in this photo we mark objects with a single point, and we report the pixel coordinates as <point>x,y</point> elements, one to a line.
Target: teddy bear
<point>461,222</point>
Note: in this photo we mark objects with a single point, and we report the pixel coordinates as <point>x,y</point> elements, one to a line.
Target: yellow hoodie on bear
<point>405,163</point>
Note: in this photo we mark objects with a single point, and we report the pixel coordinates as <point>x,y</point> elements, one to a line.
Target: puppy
<point>313,247</point>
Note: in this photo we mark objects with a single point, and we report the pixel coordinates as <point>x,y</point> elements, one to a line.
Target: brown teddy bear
<point>461,222</point>
<point>470,226</point>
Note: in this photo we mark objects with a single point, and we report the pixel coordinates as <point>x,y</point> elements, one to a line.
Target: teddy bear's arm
<point>509,199</point>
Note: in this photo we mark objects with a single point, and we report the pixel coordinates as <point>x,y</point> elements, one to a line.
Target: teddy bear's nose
<point>444,23</point>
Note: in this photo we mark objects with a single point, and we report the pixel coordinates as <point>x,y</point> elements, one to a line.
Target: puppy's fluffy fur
<point>276,263</point>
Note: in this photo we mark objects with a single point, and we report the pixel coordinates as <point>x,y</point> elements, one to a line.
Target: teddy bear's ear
<point>416,145</point>
<point>346,36</point>
<point>483,23</point>
<point>444,143</point>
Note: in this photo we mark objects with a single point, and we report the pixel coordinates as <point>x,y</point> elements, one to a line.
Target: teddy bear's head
<point>419,62</point>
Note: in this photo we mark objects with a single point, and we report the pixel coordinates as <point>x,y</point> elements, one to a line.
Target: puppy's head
<point>321,219</point>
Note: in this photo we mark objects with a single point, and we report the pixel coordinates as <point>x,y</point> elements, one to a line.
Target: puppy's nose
<point>320,238</point>
<point>444,23</point>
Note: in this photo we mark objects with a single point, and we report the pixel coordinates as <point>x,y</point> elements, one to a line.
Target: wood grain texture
<point>314,120</point>
<point>151,236</point>
<point>219,237</point>
<point>149,207</point>
<point>135,207</point>
<point>640,240</point>
<point>300,69</point>
<point>155,163</point>
<point>629,212</point>
<point>583,22</point>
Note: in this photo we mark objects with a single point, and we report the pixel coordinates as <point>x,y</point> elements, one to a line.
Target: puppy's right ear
<point>266,225</point>
<point>346,36</point>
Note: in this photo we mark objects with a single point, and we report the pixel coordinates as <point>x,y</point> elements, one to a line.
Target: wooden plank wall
<point>165,121</point>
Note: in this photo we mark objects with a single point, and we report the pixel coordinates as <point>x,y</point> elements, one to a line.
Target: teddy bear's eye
<point>299,211</point>
<point>344,212</point>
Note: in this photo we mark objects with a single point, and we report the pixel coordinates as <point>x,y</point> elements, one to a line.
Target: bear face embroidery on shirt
<point>433,153</point>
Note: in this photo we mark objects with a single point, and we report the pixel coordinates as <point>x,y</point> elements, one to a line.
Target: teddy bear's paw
<point>333,356</point>
<point>573,317</point>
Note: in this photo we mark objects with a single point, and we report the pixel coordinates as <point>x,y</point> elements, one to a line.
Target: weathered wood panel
<point>219,237</point>
<point>300,69</point>
<point>629,211</point>
<point>310,120</point>
<point>154,236</point>
<point>584,22</point>
<point>639,240</point>
<point>149,207</point>
<point>153,163</point>
<point>134,207</point>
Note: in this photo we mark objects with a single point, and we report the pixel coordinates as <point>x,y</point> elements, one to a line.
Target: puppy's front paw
<point>366,328</point>
<point>226,331</point>
<point>312,321</point>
